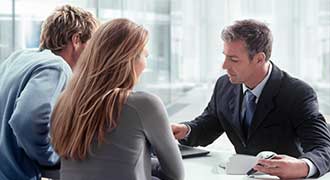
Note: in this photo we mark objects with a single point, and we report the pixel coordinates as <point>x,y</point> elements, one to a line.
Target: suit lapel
<point>266,99</point>
<point>234,107</point>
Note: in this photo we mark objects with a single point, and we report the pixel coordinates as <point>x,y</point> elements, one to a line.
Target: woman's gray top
<point>126,153</point>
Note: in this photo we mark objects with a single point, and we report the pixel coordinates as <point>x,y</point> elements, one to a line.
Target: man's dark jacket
<point>286,121</point>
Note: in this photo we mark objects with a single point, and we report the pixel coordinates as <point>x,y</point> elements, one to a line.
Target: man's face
<point>237,63</point>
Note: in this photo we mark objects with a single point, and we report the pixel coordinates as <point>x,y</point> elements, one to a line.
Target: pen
<point>252,171</point>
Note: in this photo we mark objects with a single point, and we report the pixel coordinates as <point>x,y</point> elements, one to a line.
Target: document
<point>240,164</point>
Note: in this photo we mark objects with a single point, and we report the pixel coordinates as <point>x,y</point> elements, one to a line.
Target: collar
<point>258,89</point>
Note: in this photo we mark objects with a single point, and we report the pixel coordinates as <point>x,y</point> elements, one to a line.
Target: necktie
<point>250,107</point>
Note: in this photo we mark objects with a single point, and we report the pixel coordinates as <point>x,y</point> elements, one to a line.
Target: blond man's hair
<point>66,21</point>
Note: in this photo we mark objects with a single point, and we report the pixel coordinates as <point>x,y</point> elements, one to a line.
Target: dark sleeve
<point>311,129</point>
<point>158,132</point>
<point>205,128</point>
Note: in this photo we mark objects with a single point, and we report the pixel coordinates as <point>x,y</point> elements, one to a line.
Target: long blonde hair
<point>92,102</point>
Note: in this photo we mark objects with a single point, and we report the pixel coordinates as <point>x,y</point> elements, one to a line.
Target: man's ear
<point>260,57</point>
<point>75,39</point>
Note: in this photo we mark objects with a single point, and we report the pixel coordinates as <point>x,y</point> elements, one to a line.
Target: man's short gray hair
<point>256,35</point>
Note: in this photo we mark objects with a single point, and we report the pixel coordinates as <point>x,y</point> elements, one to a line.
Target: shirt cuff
<point>312,169</point>
<point>189,130</point>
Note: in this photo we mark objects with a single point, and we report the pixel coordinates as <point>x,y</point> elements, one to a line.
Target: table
<point>210,167</point>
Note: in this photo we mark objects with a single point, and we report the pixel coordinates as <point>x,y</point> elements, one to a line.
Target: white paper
<point>240,164</point>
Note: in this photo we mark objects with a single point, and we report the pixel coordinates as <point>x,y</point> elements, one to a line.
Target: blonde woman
<point>100,127</point>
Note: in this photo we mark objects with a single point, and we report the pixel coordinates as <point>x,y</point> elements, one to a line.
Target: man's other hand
<point>179,130</point>
<point>285,167</point>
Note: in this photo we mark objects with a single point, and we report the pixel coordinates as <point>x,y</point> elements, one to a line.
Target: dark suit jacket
<point>286,121</point>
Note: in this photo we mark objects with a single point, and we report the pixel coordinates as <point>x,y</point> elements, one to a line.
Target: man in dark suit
<point>262,108</point>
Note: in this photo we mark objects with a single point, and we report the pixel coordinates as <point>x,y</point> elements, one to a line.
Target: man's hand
<point>179,130</point>
<point>285,167</point>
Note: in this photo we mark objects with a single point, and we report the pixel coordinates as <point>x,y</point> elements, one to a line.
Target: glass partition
<point>185,45</point>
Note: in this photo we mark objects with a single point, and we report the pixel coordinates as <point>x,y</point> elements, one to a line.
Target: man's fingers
<point>279,156</point>
<point>177,133</point>
<point>271,162</point>
<point>277,160</point>
<point>268,170</point>
<point>173,126</point>
<point>179,130</point>
<point>175,129</point>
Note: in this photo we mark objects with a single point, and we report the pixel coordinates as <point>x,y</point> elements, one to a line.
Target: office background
<point>185,45</point>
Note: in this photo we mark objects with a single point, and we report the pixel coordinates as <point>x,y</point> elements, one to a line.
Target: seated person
<point>262,108</point>
<point>31,81</point>
<point>100,127</point>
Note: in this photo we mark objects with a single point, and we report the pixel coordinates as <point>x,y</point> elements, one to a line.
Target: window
<point>185,45</point>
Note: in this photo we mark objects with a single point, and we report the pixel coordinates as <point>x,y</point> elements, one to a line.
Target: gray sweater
<point>126,154</point>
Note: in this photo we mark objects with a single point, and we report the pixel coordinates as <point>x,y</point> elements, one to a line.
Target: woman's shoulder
<point>149,108</point>
<point>142,99</point>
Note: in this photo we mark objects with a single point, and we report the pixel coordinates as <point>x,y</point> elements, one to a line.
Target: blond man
<point>31,81</point>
